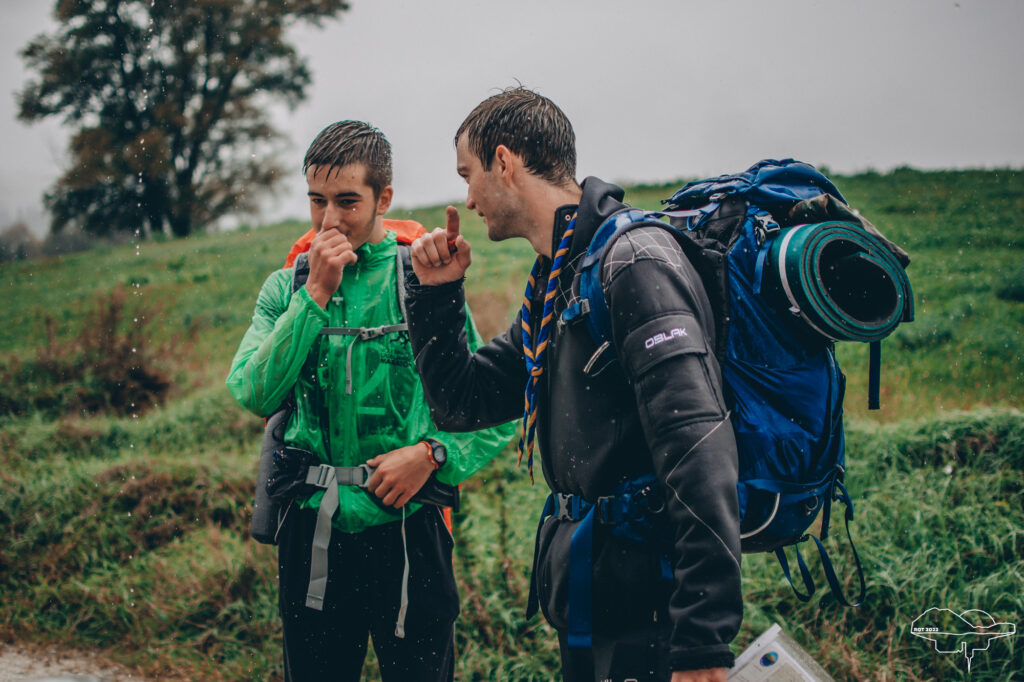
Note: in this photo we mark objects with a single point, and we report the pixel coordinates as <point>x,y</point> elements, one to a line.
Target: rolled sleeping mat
<point>265,511</point>
<point>839,279</point>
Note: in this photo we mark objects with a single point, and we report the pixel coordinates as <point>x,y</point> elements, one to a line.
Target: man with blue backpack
<point>637,561</point>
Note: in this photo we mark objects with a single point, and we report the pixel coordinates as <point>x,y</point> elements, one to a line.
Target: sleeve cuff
<point>415,289</point>
<point>700,658</point>
<point>450,469</point>
<point>309,304</point>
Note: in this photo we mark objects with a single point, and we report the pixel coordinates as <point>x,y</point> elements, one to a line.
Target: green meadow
<point>127,470</point>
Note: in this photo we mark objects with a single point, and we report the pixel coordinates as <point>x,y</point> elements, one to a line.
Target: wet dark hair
<point>531,126</point>
<point>347,142</point>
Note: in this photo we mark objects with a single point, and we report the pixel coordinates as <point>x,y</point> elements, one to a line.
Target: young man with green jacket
<point>356,399</point>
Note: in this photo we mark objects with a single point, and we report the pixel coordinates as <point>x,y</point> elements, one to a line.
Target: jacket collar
<point>371,254</point>
<point>600,199</point>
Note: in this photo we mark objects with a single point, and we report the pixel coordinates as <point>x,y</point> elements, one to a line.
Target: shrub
<point>108,367</point>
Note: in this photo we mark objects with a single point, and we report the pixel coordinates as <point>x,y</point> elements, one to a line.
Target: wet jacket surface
<point>662,411</point>
<point>283,354</point>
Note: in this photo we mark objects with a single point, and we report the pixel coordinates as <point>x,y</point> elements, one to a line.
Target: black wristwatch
<point>438,453</point>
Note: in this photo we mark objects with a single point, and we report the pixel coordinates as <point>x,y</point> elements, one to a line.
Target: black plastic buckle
<point>609,513</point>
<point>565,500</point>
<point>764,227</point>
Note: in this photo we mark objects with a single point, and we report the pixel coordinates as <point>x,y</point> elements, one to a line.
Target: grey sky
<point>656,89</point>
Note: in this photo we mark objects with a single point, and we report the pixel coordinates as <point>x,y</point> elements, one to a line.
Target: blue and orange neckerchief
<point>534,349</point>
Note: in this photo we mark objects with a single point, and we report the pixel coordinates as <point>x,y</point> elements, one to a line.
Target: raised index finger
<point>451,227</point>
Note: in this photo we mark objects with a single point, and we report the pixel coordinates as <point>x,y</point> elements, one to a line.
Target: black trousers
<point>363,596</point>
<point>640,655</point>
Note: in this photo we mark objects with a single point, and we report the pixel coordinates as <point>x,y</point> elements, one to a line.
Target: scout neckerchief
<point>534,349</point>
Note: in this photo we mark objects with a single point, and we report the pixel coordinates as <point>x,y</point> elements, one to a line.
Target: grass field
<point>126,529</point>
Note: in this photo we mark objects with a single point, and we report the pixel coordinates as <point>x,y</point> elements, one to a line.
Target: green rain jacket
<point>283,352</point>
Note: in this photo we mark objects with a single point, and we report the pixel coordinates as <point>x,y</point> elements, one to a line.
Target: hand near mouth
<point>329,253</point>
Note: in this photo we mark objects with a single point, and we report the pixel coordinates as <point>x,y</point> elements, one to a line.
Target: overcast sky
<point>656,89</point>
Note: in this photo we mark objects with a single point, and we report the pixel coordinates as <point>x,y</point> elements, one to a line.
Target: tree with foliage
<point>168,102</point>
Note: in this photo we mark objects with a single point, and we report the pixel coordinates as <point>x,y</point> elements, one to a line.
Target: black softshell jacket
<point>660,410</point>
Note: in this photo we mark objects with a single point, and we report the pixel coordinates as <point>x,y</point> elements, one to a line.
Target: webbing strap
<point>806,574</point>
<point>404,603</point>
<point>762,256</point>
<point>321,540</point>
<point>787,488</point>
<point>830,574</point>
<point>532,599</point>
<point>400,278</point>
<point>833,582</point>
<point>826,561</point>
<point>329,478</point>
<point>690,214</point>
<point>322,475</point>
<point>581,583</point>
<point>364,333</point>
<point>874,374</point>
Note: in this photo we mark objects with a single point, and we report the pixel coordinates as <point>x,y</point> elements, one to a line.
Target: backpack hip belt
<point>329,478</point>
<point>288,481</point>
<point>630,511</point>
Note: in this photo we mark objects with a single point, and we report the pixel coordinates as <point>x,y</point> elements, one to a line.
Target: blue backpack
<point>788,268</point>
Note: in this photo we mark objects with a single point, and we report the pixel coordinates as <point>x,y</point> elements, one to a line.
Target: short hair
<point>347,142</point>
<point>531,126</point>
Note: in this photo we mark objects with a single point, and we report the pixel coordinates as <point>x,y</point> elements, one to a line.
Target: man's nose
<point>470,204</point>
<point>332,217</point>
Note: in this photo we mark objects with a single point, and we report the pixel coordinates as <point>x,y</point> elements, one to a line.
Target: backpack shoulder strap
<point>300,272</point>
<point>403,264</point>
<point>591,306</point>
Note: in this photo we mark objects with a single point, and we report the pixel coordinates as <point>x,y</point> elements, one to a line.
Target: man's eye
<point>318,202</point>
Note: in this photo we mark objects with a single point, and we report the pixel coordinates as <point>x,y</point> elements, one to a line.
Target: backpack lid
<point>406,231</point>
<point>768,184</point>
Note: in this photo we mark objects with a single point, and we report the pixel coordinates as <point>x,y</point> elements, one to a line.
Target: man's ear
<point>506,162</point>
<point>384,200</point>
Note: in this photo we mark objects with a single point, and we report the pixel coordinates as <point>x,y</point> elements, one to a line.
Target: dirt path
<point>24,664</point>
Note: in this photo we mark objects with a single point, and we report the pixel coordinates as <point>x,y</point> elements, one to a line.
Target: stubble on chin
<point>501,226</point>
